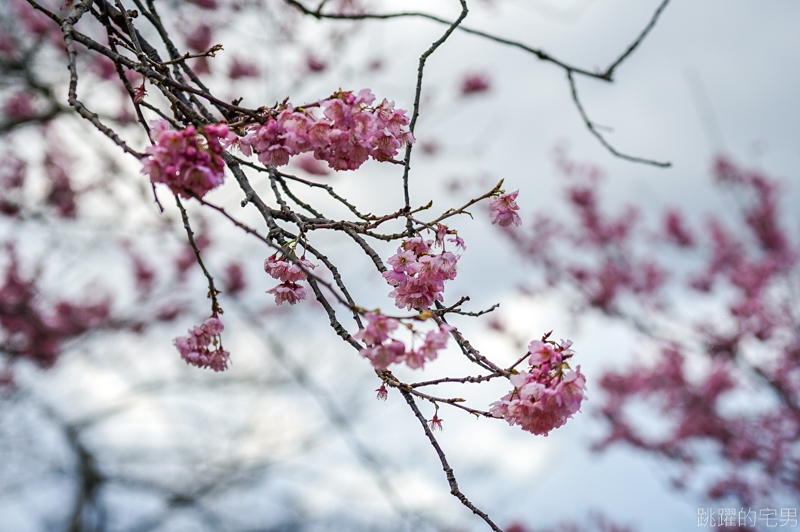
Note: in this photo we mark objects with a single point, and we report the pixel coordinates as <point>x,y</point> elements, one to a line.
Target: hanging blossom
<point>547,395</point>
<point>189,161</point>
<point>382,350</point>
<point>203,346</point>
<point>436,422</point>
<point>290,274</point>
<point>418,274</point>
<point>350,131</point>
<point>504,210</point>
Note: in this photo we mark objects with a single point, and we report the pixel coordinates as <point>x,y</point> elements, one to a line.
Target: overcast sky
<point>713,75</point>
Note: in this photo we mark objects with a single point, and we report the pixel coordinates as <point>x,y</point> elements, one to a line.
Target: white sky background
<point>735,61</point>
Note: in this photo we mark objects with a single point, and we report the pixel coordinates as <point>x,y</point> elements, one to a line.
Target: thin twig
<point>593,130</point>
<point>212,290</point>
<point>415,112</point>
<point>448,471</point>
<point>610,70</point>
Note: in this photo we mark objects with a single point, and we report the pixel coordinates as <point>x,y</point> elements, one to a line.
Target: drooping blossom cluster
<point>548,394</point>
<point>189,161</point>
<point>418,274</point>
<point>203,346</point>
<point>349,133</point>
<point>289,273</point>
<point>382,350</point>
<point>504,210</point>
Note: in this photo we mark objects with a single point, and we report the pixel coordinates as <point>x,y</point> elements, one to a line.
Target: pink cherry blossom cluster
<point>547,395</point>
<point>348,134</point>
<point>289,273</point>
<point>418,274</point>
<point>475,83</point>
<point>382,350</point>
<point>189,161</point>
<point>195,348</point>
<point>504,210</point>
<point>34,329</point>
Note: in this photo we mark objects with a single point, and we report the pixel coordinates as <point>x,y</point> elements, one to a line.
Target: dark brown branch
<point>413,14</point>
<point>461,380</point>
<point>415,113</point>
<point>593,130</point>
<point>606,75</point>
<point>69,37</point>
<point>212,290</point>
<point>610,70</point>
<point>448,471</point>
<point>155,20</point>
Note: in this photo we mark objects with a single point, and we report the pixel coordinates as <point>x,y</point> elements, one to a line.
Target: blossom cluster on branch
<point>546,395</point>
<point>504,210</point>
<point>202,347</point>
<point>418,274</point>
<point>382,350</point>
<point>289,273</point>
<point>349,132</point>
<point>189,161</point>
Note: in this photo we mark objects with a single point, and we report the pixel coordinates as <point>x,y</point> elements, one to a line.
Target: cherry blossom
<point>377,330</point>
<point>290,273</point>
<point>349,132</point>
<point>418,274</point>
<point>475,84</point>
<point>543,353</point>
<point>242,69</point>
<point>547,395</point>
<point>504,210</point>
<point>434,341</point>
<point>284,270</point>
<point>189,161</point>
<point>38,331</point>
<point>708,385</point>
<point>382,392</point>
<point>382,355</point>
<point>436,422</point>
<point>383,351</point>
<point>288,292</point>
<point>196,349</point>
<point>234,278</point>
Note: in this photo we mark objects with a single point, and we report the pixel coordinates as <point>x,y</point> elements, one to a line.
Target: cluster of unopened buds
<point>189,161</point>
<point>289,273</point>
<point>382,350</point>
<point>203,346</point>
<point>418,274</point>
<point>349,132</point>
<point>548,394</point>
